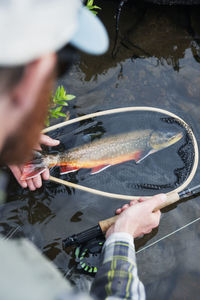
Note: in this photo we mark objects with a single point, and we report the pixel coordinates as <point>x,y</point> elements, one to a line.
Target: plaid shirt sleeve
<point>117,277</point>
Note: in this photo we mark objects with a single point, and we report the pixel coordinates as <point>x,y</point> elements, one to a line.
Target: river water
<point>155,62</point>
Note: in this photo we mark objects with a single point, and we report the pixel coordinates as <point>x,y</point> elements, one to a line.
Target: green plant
<point>59,100</point>
<point>90,5</point>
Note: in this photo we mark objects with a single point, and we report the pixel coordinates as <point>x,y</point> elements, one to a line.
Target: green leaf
<point>57,93</point>
<point>91,7</point>
<point>58,109</point>
<point>62,114</point>
<point>54,116</point>
<point>62,90</point>
<point>59,100</point>
<point>63,93</point>
<point>62,103</point>
<point>90,2</point>
<point>70,97</point>
<point>95,7</point>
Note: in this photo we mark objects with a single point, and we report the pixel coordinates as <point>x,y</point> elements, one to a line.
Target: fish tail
<point>34,167</point>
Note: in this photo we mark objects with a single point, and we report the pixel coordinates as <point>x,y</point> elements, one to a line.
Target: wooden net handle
<point>171,198</point>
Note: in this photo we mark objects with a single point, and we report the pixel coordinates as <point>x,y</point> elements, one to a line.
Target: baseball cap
<point>32,28</point>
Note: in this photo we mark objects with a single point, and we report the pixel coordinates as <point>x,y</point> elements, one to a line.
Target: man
<point>31,32</point>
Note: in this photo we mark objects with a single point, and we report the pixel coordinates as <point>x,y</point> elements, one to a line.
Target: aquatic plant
<point>57,102</point>
<point>90,5</point>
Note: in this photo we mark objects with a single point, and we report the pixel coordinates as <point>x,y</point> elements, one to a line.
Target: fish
<point>100,154</point>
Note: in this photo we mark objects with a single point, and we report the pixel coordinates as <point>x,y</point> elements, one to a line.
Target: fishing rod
<point>102,227</point>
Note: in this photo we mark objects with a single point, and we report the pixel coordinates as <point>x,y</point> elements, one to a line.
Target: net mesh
<point>162,171</point>
<point>174,2</point>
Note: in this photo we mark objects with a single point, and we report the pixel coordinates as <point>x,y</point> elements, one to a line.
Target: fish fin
<point>142,155</point>
<point>67,169</point>
<point>34,167</point>
<point>98,169</point>
<point>30,171</point>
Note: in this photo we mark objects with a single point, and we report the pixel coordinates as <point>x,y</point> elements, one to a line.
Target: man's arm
<point>117,277</point>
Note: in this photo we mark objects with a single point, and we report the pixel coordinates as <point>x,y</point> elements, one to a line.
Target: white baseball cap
<point>32,28</point>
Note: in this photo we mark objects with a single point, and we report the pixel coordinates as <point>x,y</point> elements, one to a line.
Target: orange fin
<point>140,155</point>
<point>67,169</point>
<point>98,169</point>
<point>34,167</point>
<point>30,171</point>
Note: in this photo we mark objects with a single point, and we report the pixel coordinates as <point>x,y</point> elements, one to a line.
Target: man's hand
<point>139,218</point>
<point>35,182</point>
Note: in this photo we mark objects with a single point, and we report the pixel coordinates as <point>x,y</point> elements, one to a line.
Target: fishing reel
<point>87,255</point>
<point>89,245</point>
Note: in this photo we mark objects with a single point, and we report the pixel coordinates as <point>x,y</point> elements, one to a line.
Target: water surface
<point>155,63</point>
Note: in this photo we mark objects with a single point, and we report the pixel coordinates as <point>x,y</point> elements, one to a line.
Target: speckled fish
<point>106,152</point>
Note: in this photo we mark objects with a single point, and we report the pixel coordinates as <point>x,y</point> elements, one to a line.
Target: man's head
<point>26,92</point>
<point>28,64</point>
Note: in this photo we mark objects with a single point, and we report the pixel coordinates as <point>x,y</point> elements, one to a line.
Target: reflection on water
<point>156,64</point>
<point>76,217</point>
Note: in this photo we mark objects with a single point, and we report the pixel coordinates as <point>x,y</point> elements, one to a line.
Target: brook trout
<point>106,152</point>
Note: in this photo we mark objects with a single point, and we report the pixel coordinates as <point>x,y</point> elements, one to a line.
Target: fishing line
<point>11,233</point>
<point>168,235</point>
<point>179,186</point>
<point>87,252</point>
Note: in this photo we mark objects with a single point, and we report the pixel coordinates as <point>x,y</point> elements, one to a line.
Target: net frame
<point>121,110</point>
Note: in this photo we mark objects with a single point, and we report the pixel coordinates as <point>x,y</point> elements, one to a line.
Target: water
<point>156,64</point>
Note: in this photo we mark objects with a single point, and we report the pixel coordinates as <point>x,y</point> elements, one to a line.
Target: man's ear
<point>25,94</point>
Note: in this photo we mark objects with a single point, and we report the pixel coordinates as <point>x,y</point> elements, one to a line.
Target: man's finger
<point>37,181</point>
<point>46,140</point>
<point>133,202</point>
<point>156,218</point>
<point>23,183</point>
<point>125,206</point>
<point>17,173</point>
<point>118,211</point>
<point>155,201</point>
<point>45,174</point>
<point>31,186</point>
<point>143,199</point>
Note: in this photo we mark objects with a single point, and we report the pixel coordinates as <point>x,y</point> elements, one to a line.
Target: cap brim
<point>91,35</point>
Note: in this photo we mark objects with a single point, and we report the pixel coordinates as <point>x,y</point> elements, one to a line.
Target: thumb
<point>154,202</point>
<point>46,140</point>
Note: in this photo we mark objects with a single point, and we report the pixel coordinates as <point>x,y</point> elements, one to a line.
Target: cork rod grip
<point>171,198</point>
<point>105,224</point>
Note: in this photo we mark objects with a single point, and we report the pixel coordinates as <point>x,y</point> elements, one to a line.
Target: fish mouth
<point>169,139</point>
<point>175,138</point>
<point>172,140</point>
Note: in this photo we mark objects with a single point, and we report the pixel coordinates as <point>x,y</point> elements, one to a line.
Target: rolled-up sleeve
<point>117,278</point>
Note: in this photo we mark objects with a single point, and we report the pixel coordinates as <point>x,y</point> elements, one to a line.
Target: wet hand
<point>138,218</point>
<point>125,206</point>
<point>35,182</point>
